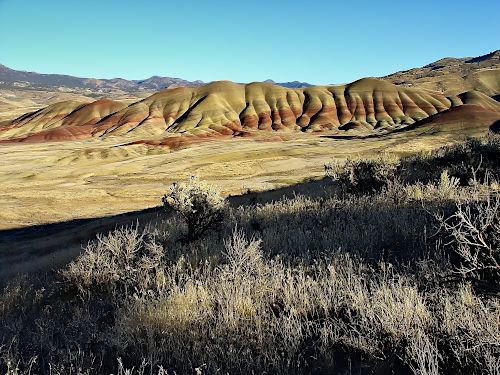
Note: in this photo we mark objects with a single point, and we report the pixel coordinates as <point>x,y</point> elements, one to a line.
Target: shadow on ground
<point>43,247</point>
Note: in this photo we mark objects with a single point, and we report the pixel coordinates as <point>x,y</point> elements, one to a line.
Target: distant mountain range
<point>10,78</point>
<point>31,80</point>
<point>290,85</point>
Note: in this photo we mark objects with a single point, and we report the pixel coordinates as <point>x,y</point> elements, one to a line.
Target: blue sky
<point>320,42</point>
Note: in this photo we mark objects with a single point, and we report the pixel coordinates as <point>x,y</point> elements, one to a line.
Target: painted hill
<point>62,121</point>
<point>182,115</point>
<point>454,75</point>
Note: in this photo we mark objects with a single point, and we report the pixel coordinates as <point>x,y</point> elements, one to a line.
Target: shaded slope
<point>466,120</point>
<point>229,109</point>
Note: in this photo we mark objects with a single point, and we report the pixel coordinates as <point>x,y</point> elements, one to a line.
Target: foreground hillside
<point>393,267</point>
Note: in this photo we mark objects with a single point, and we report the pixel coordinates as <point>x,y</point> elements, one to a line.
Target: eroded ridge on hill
<point>230,109</point>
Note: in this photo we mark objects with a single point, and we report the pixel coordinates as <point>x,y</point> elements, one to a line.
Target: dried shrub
<point>466,160</point>
<point>199,204</point>
<point>474,235</point>
<point>362,175</point>
<point>120,261</point>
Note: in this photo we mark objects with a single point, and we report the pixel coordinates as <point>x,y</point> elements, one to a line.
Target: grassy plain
<point>51,182</point>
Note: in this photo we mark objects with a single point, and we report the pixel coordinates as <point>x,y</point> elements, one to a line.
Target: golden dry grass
<point>51,182</point>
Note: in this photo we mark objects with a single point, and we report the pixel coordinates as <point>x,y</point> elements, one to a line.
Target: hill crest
<point>452,76</point>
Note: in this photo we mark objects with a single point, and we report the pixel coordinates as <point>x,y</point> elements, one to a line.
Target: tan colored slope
<point>184,115</point>
<point>466,120</point>
<point>480,99</point>
<point>489,79</point>
<point>11,108</point>
<point>475,117</point>
<point>453,76</point>
<point>486,81</point>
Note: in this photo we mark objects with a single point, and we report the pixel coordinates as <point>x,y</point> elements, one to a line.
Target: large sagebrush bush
<point>198,203</point>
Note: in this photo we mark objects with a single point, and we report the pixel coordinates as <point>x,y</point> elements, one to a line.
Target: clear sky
<point>320,42</point>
